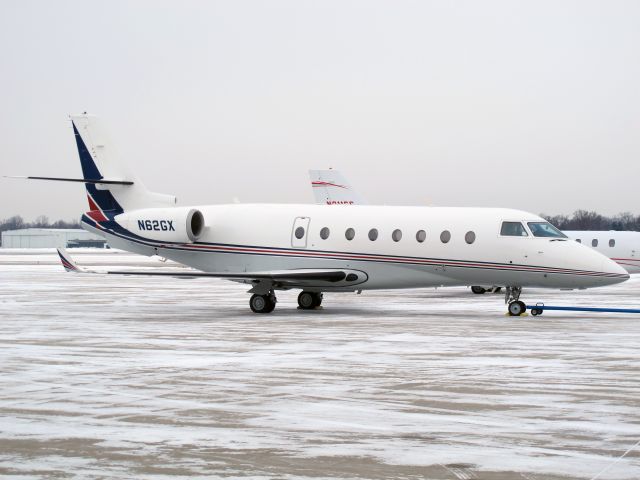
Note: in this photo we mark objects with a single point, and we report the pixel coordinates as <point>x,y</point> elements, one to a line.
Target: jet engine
<point>175,225</point>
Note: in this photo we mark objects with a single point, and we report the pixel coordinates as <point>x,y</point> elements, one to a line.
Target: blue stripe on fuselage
<point>114,228</point>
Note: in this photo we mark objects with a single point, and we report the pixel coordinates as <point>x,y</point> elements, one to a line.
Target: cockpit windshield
<point>545,229</point>
<point>513,229</point>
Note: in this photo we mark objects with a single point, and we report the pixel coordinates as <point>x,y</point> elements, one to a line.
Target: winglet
<point>68,264</point>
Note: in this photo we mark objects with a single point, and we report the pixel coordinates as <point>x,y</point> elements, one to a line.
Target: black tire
<point>261,304</point>
<point>535,312</point>
<point>523,306</point>
<point>478,290</point>
<point>317,299</point>
<point>517,308</point>
<point>272,303</point>
<point>307,300</point>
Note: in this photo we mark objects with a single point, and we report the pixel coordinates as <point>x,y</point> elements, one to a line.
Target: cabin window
<point>421,236</point>
<point>350,234</point>
<point>470,237</point>
<point>324,233</point>
<point>373,234</point>
<point>513,229</point>
<point>578,240</point>
<point>594,242</point>
<point>445,236</point>
<point>299,233</point>
<point>545,229</point>
<point>612,243</point>
<point>396,235</point>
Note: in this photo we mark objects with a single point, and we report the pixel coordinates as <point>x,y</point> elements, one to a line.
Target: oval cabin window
<point>594,242</point>
<point>470,237</point>
<point>396,235</point>
<point>421,236</point>
<point>612,243</point>
<point>445,236</point>
<point>299,233</point>
<point>373,234</point>
<point>350,234</point>
<point>324,233</point>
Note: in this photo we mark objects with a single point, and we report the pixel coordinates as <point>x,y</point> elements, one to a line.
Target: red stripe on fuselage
<point>364,257</point>
<point>382,258</point>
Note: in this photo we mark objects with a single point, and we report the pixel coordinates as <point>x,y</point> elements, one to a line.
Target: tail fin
<point>331,188</point>
<point>120,189</point>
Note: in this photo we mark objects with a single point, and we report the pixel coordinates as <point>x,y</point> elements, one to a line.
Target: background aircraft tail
<point>331,188</point>
<point>111,186</point>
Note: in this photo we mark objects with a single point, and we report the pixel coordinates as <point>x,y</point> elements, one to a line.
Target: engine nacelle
<point>179,224</point>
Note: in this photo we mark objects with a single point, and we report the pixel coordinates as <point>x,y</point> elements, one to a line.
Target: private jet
<point>320,249</point>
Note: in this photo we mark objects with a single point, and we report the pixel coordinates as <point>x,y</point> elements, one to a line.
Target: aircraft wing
<point>303,277</point>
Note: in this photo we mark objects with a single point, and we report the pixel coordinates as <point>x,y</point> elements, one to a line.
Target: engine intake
<point>195,224</point>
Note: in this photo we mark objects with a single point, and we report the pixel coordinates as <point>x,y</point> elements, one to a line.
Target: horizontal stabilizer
<point>97,181</point>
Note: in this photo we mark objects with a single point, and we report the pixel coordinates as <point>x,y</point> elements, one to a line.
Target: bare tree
<point>585,220</point>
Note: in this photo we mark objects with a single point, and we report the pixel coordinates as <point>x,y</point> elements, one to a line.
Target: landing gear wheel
<point>318,299</point>
<point>272,303</point>
<point>309,300</point>
<point>478,290</point>
<point>517,308</point>
<point>262,303</point>
<point>536,311</point>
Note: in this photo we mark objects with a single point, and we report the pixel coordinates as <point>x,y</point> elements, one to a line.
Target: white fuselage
<point>620,246</point>
<point>262,237</point>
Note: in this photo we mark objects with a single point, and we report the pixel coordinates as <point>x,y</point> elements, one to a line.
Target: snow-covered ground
<point>126,377</point>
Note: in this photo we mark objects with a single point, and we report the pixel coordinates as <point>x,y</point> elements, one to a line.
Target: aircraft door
<point>299,232</point>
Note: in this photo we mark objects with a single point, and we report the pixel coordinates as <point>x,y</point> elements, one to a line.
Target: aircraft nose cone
<point>615,272</point>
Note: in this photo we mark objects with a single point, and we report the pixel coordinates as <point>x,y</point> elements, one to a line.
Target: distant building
<point>51,238</point>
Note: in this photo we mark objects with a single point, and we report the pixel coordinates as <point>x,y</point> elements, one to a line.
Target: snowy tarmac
<point>128,377</point>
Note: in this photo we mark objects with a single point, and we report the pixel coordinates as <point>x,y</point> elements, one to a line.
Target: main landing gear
<point>309,300</point>
<point>263,303</point>
<point>512,297</point>
<point>266,303</point>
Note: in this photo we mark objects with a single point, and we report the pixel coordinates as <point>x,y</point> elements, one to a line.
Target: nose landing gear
<point>512,298</point>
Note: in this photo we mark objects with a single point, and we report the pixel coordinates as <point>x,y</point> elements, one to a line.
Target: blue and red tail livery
<point>99,200</point>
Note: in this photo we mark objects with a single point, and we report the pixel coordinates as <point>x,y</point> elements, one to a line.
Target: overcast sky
<point>532,105</point>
